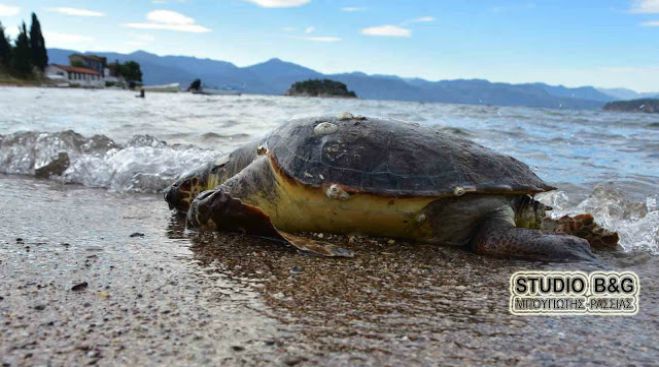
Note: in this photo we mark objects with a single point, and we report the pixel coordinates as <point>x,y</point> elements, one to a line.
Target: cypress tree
<point>21,57</point>
<point>38,45</point>
<point>5,49</point>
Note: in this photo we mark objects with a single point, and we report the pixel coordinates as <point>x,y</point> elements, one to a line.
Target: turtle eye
<point>183,186</point>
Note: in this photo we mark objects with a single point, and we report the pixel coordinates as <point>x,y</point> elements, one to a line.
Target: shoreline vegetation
<point>25,62</point>
<point>320,88</point>
<point>7,80</point>
<point>643,105</point>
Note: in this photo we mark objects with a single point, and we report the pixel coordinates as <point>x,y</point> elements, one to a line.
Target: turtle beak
<point>179,195</point>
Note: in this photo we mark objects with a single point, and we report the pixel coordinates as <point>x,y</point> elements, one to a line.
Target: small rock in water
<point>79,287</point>
<point>55,167</point>
<point>137,234</point>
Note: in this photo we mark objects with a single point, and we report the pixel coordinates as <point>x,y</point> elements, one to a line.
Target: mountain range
<point>275,76</point>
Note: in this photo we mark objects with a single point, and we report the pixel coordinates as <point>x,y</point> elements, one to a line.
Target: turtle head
<point>529,212</point>
<point>181,193</point>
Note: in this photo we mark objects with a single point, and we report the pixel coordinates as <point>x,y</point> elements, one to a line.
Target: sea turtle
<point>382,177</point>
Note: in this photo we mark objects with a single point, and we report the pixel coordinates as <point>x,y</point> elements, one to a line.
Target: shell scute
<point>395,158</point>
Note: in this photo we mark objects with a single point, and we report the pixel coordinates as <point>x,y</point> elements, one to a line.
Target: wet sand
<point>164,296</point>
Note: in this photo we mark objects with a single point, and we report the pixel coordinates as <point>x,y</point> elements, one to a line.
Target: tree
<point>5,49</point>
<point>21,63</point>
<point>131,71</point>
<point>38,45</point>
<point>320,87</point>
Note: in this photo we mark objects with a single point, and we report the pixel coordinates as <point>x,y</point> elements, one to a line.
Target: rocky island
<point>647,105</point>
<point>320,88</point>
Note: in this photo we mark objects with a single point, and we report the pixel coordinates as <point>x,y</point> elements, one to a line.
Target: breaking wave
<point>147,164</point>
<point>143,164</point>
<point>637,223</point>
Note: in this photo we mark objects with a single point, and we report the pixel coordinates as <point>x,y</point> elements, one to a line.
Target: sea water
<point>605,163</point>
<point>151,292</point>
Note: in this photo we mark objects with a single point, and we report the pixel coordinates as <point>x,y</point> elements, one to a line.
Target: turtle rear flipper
<point>584,226</point>
<point>497,236</point>
<point>218,210</point>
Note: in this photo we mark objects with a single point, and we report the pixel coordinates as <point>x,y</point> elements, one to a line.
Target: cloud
<point>309,30</point>
<point>279,3</point>
<point>387,31</point>
<point>56,39</point>
<point>645,6</point>
<point>352,9</point>
<point>652,23</point>
<point>77,12</point>
<point>326,39</point>
<point>9,10</point>
<point>423,20</point>
<point>170,21</point>
<point>426,19</point>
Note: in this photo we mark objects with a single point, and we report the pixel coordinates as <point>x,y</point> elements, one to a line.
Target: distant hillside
<point>646,105</point>
<point>276,76</point>
<point>626,94</point>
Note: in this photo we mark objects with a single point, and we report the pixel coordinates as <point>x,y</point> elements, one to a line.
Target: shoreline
<point>115,278</point>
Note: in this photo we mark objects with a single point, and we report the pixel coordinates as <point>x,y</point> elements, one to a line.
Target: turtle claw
<point>316,247</point>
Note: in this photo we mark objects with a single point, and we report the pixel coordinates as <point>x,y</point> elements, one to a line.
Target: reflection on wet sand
<point>414,303</point>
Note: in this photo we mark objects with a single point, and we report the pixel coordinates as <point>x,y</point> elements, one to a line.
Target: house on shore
<point>93,62</point>
<point>87,71</point>
<point>75,76</point>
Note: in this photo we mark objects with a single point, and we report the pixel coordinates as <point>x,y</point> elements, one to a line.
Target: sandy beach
<point>93,277</point>
<point>95,269</point>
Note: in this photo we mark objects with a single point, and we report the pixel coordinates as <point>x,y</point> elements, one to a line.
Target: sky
<point>605,43</point>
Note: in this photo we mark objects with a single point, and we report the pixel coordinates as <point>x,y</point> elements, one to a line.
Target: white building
<point>76,76</point>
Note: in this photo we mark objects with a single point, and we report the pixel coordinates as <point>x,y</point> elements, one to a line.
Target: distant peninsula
<point>647,105</point>
<point>320,88</point>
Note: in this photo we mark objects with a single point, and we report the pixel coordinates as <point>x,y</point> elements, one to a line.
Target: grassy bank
<point>9,80</point>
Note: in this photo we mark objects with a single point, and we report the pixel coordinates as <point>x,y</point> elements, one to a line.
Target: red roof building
<point>76,76</point>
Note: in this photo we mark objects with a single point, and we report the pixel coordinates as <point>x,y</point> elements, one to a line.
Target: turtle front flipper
<point>218,210</point>
<point>497,236</point>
